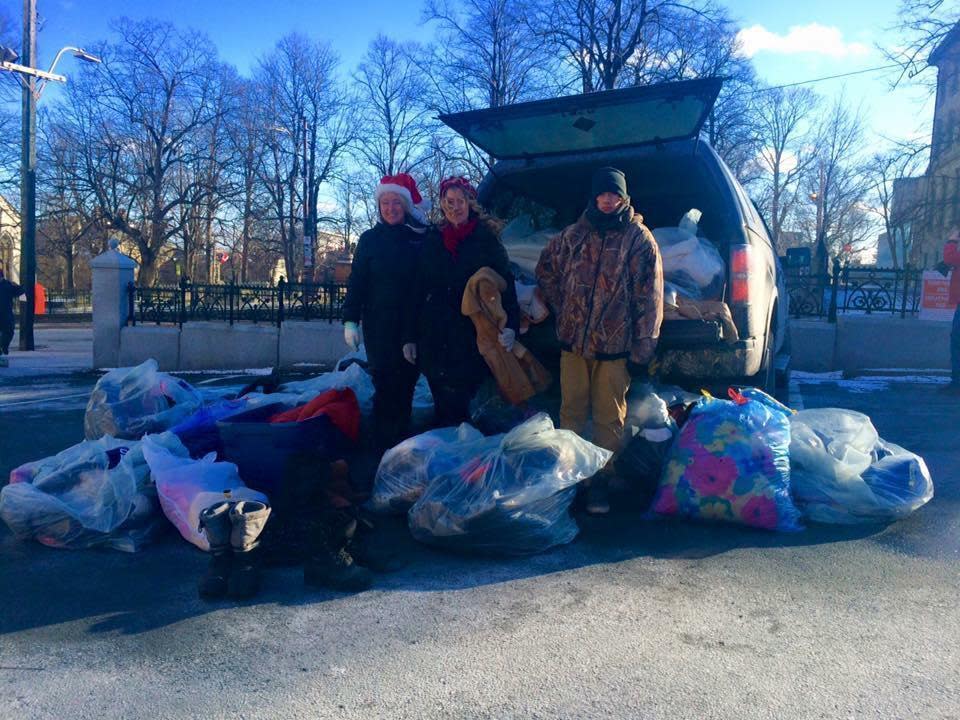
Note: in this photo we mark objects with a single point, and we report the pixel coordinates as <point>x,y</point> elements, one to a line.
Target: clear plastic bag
<point>506,494</point>
<point>691,263</point>
<point>843,473</point>
<point>186,487</point>
<point>402,475</point>
<point>96,493</point>
<point>131,402</point>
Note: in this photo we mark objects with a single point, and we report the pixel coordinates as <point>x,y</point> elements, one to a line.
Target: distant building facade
<point>925,208</point>
<point>10,240</point>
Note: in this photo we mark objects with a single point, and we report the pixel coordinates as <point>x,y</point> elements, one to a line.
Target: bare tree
<point>785,125</point>
<point>837,184</point>
<point>610,43</point>
<point>137,121</point>
<point>244,136</point>
<point>485,51</point>
<point>921,26</point>
<point>308,126</point>
<point>884,170</point>
<point>393,101</point>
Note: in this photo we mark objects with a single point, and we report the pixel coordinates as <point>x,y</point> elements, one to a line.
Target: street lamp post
<point>29,74</point>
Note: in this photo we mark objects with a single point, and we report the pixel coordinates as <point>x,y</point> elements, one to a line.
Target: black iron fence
<point>67,303</point>
<point>854,290</point>
<point>232,303</point>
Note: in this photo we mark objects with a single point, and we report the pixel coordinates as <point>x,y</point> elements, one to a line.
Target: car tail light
<point>741,262</point>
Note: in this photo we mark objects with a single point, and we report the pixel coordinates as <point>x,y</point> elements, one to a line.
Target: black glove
<point>638,370</point>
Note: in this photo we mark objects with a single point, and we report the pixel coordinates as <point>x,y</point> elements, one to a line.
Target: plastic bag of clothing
<point>186,487</point>
<point>353,377</point>
<point>506,494</point>
<point>644,455</point>
<point>96,493</point>
<point>131,402</point>
<point>689,262</point>
<point>402,475</point>
<point>731,462</point>
<point>843,473</point>
<point>199,431</point>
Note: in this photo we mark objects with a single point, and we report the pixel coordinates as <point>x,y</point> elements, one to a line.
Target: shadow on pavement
<point>135,593</point>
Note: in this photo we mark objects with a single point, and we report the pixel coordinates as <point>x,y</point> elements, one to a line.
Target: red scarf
<point>453,235</point>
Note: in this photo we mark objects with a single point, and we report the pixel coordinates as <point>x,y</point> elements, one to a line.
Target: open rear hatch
<point>581,125</point>
<point>598,121</point>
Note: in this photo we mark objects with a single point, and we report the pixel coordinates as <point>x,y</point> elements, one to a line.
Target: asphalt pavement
<point>638,618</point>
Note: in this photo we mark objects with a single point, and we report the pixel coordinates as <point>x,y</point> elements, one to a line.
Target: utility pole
<point>28,176</point>
<point>308,229</point>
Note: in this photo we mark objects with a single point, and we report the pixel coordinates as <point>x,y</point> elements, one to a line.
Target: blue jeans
<point>955,346</point>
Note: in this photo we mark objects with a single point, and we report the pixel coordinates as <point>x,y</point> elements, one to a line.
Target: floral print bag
<point>731,463</point>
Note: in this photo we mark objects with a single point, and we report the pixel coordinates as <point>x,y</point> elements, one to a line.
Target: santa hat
<point>406,187</point>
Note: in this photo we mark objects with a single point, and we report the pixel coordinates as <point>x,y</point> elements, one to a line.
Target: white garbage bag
<point>131,402</point>
<point>691,264</point>
<point>186,487</point>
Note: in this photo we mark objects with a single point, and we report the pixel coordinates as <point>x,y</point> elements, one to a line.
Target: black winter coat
<point>446,339</point>
<point>9,291</point>
<point>380,279</point>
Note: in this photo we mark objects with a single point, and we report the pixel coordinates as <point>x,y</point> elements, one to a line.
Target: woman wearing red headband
<point>438,335</point>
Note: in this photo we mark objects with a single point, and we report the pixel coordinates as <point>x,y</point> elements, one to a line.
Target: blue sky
<point>786,48</point>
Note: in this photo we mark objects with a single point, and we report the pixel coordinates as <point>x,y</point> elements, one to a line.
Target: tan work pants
<point>597,387</point>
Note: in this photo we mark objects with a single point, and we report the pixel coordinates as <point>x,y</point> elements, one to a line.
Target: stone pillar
<point>112,273</point>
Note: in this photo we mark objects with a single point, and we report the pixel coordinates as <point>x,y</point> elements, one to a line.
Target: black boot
<point>247,518</point>
<point>368,552</point>
<point>215,524</point>
<point>330,564</point>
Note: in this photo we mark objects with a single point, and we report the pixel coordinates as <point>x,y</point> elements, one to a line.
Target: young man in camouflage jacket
<point>604,280</point>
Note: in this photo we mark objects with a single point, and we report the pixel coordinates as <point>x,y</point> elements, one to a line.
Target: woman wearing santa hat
<point>383,265</point>
<point>437,334</point>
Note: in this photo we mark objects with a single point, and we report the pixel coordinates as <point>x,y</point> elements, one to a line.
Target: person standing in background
<point>9,291</point>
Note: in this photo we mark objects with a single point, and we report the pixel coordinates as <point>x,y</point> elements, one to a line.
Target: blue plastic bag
<point>199,432</point>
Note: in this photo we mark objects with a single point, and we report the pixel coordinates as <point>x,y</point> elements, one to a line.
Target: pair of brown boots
<point>233,531</point>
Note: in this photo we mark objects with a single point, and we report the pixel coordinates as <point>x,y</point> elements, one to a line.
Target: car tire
<point>766,377</point>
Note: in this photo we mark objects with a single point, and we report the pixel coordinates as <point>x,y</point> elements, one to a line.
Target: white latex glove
<point>507,337</point>
<point>410,353</point>
<point>351,335</point>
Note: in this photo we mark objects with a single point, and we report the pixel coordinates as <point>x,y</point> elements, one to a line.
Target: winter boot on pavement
<point>330,564</point>
<point>215,524</point>
<point>598,495</point>
<point>247,518</point>
<point>370,552</point>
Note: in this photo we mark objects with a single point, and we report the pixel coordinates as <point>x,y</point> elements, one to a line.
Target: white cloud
<point>813,38</point>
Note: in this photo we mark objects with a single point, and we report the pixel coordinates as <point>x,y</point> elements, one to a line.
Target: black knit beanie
<point>608,179</point>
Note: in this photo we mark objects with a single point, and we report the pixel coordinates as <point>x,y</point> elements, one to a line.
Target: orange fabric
<point>519,374</point>
<point>340,406</point>
<point>39,299</point>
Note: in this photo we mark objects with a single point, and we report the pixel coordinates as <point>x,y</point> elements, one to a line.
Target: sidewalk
<point>60,349</point>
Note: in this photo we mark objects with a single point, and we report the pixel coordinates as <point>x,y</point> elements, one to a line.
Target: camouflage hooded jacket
<point>606,289</point>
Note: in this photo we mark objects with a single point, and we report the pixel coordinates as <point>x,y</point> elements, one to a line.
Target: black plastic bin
<point>263,451</point>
